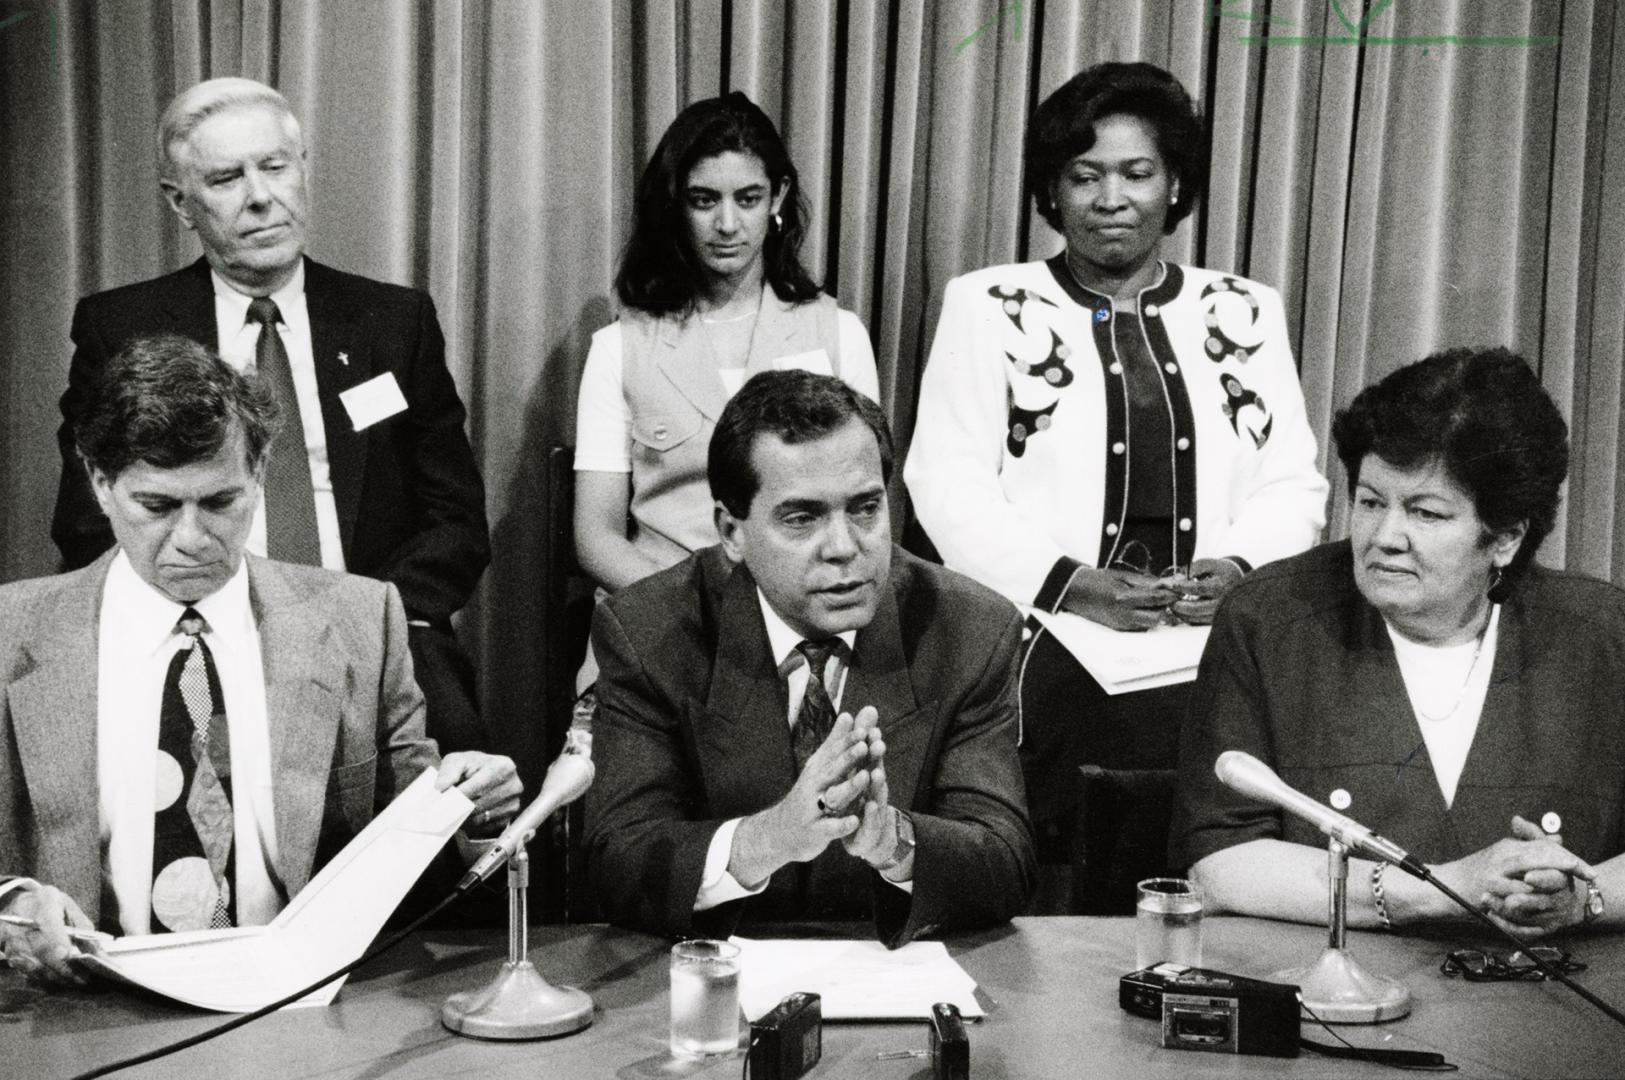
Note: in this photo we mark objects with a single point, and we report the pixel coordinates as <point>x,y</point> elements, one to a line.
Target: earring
<point>1495,580</point>
<point>1173,198</point>
<point>778,222</point>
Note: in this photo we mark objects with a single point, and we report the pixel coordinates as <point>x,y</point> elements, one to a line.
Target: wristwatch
<point>1594,904</point>
<point>904,846</point>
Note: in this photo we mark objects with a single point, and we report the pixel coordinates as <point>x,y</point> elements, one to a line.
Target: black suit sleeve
<point>647,855</point>
<point>438,561</point>
<point>973,859</point>
<point>78,526</point>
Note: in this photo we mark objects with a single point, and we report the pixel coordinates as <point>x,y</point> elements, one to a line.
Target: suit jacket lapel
<point>54,709</point>
<point>879,676</point>
<point>344,359</point>
<point>302,687</point>
<point>743,737</point>
<point>191,305</point>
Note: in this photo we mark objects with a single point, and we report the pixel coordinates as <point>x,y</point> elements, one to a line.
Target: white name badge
<point>816,361</point>
<point>374,400</point>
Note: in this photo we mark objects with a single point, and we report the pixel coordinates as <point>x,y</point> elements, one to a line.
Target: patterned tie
<point>817,714</point>
<point>290,500</point>
<point>192,830</point>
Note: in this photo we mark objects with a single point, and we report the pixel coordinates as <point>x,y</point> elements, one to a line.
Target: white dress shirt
<point>1447,685</point>
<point>135,643</point>
<point>717,885</point>
<point>239,339</point>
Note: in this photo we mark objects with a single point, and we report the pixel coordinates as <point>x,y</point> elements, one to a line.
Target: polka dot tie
<point>817,713</point>
<point>192,826</point>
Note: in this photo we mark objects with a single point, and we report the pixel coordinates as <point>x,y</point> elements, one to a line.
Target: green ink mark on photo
<point>50,32</point>
<point>1014,7</point>
<point>1358,32</point>
<point>1377,8</point>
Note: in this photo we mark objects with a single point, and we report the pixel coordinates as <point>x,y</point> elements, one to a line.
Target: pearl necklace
<point>1465,682</point>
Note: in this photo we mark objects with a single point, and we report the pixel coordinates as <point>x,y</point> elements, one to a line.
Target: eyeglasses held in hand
<point>1476,965</point>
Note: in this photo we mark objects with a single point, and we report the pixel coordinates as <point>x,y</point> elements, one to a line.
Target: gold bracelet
<point>1377,895</point>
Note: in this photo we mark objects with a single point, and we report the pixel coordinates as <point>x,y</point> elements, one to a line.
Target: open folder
<point>1123,661</point>
<point>330,923</point>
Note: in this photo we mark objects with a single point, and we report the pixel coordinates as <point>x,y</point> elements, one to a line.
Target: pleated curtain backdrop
<point>1454,179</point>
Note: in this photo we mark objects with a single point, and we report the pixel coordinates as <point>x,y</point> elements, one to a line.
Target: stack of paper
<point>1122,661</point>
<point>858,980</point>
<point>329,923</point>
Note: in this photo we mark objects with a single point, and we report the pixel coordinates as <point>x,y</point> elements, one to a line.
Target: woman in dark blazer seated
<point>1470,703</point>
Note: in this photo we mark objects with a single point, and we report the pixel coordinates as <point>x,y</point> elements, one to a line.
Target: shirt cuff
<point>717,886</point>
<point>1056,583</point>
<point>906,886</point>
<point>11,886</point>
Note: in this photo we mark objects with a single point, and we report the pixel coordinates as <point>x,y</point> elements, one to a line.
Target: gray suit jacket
<point>346,719</point>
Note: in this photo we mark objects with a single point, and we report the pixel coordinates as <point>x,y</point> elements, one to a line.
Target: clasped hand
<point>1529,883</point>
<point>841,794</point>
<point>1127,600</point>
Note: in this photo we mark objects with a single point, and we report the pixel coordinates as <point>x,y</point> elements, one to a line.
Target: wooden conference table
<point>1053,982</point>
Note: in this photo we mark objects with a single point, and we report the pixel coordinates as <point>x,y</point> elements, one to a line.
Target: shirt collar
<point>783,640</point>
<point>289,300</point>
<point>149,617</point>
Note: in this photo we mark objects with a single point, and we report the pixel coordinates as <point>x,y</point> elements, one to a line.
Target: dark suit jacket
<point>1300,672</point>
<point>411,506</point>
<point>346,720</point>
<point>692,730</point>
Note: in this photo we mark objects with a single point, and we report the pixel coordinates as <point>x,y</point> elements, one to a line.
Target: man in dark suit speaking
<point>187,734</point>
<point>374,474</point>
<point>806,722</point>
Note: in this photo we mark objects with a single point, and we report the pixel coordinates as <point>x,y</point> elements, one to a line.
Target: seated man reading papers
<point>187,734</point>
<point>736,784</point>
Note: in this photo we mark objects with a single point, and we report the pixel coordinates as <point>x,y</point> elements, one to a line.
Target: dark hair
<point>659,272</point>
<point>1481,413</point>
<point>1064,127</point>
<point>168,401</point>
<point>795,405</point>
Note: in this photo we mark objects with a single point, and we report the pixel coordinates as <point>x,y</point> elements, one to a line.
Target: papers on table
<point>326,926</point>
<point>1121,661</point>
<point>858,980</point>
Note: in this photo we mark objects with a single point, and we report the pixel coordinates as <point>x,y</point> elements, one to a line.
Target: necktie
<point>817,713</point>
<point>192,828</point>
<point>290,501</point>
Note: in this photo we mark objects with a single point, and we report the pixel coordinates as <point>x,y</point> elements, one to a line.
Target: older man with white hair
<point>374,474</point>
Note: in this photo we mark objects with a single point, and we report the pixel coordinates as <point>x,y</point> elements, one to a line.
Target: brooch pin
<point>344,358</point>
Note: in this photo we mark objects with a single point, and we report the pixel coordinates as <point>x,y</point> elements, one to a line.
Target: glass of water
<point>1168,923</point>
<point>704,998</point>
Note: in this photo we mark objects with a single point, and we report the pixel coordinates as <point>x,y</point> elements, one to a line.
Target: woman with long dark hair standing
<point>712,291</point>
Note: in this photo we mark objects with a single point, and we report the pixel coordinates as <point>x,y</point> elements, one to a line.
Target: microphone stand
<point>1335,986</point>
<point>518,1003</point>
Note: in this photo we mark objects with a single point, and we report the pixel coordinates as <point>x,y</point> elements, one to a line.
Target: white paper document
<point>858,980</point>
<point>330,923</point>
<point>1122,661</point>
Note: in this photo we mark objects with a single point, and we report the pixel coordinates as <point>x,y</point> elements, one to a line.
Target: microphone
<point>567,780</point>
<point>1243,773</point>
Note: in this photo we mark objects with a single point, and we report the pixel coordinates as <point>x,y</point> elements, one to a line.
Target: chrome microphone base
<point>518,1004</point>
<point>1340,991</point>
